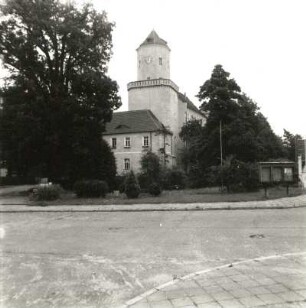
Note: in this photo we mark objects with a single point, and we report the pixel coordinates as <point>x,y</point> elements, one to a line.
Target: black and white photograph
<point>152,153</point>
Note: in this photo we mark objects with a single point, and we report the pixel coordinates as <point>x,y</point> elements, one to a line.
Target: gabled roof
<point>190,104</point>
<point>153,38</point>
<point>135,121</point>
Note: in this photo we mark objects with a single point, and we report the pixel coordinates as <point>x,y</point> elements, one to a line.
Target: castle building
<point>157,111</point>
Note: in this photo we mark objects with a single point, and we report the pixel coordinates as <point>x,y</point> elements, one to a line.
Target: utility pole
<point>221,156</point>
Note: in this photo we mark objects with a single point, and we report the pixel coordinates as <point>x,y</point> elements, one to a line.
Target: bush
<point>90,189</point>
<point>132,189</point>
<point>174,179</point>
<point>120,183</point>
<point>155,189</point>
<point>144,181</point>
<point>150,165</point>
<point>47,192</point>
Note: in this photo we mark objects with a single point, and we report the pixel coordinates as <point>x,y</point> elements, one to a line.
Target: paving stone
<point>213,289</point>
<point>296,285</point>
<point>248,283</point>
<point>223,280</point>
<point>259,277</point>
<point>210,305</point>
<point>222,296</point>
<point>230,303</point>
<point>277,288</point>
<point>205,282</point>
<point>195,291</point>
<point>290,296</point>
<point>175,294</point>
<point>201,299</point>
<point>158,296</point>
<point>301,292</point>
<point>230,286</point>
<point>229,272</point>
<point>189,284</point>
<point>240,293</point>
<point>140,305</point>
<point>270,298</point>
<point>172,287</point>
<point>181,302</point>
<point>239,278</point>
<point>161,304</point>
<point>266,281</point>
<point>283,279</point>
<point>216,273</point>
<point>258,290</point>
<point>251,301</point>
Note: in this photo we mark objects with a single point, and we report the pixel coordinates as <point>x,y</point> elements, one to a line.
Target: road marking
<point>198,273</point>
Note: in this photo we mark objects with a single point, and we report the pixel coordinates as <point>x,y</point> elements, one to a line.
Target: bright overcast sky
<point>262,43</point>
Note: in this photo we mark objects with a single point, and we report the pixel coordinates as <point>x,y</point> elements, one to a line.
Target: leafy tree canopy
<point>60,96</point>
<point>246,133</point>
<point>290,143</point>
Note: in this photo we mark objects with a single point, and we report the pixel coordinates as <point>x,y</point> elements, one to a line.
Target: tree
<point>289,143</point>
<point>150,169</point>
<point>246,134</point>
<point>132,189</point>
<point>190,133</point>
<point>60,96</point>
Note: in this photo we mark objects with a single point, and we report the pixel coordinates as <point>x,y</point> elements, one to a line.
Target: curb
<point>198,273</point>
<point>228,208</point>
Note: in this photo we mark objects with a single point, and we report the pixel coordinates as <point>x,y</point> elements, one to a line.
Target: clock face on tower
<point>148,60</point>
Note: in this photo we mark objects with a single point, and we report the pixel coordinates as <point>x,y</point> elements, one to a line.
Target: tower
<point>153,89</point>
<point>157,111</point>
<point>153,58</point>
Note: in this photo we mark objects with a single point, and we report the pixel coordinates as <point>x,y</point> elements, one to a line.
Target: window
<point>288,174</point>
<point>127,142</point>
<point>145,141</point>
<point>114,143</point>
<point>160,61</point>
<point>277,174</point>
<point>127,164</point>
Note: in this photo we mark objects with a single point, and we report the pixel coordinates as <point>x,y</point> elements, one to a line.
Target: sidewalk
<point>275,281</point>
<point>21,204</point>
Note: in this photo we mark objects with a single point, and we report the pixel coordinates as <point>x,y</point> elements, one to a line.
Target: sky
<point>261,43</point>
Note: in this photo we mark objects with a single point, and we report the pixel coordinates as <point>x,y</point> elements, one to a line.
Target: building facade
<point>161,110</point>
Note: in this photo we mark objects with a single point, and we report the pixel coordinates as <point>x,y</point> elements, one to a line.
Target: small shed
<point>273,172</point>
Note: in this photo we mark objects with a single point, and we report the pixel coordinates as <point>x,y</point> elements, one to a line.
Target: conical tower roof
<point>153,38</point>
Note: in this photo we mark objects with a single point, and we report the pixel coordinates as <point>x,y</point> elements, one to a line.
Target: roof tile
<point>135,121</point>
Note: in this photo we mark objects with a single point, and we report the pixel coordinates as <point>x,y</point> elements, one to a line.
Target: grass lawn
<point>181,196</point>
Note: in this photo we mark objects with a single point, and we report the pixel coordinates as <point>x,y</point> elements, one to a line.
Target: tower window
<point>127,142</point>
<point>160,61</point>
<point>127,164</point>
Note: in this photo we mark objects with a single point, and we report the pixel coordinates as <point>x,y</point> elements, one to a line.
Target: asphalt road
<point>104,259</point>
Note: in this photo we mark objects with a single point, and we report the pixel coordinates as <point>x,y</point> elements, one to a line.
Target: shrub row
<point>47,192</point>
<point>91,189</point>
